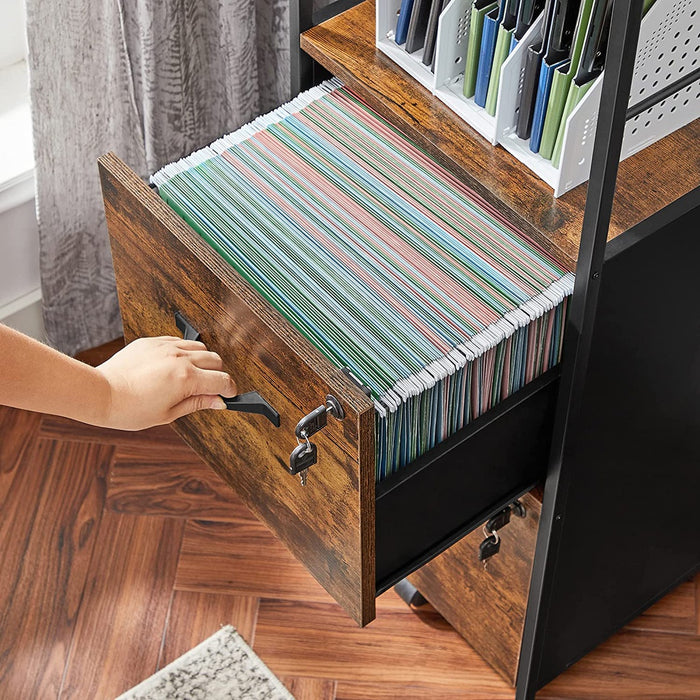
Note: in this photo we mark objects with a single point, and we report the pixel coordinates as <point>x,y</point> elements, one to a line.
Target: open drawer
<point>354,541</point>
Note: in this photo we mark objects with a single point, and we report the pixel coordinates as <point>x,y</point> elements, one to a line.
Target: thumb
<point>196,403</point>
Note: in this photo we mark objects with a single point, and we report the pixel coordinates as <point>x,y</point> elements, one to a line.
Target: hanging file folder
<point>391,267</point>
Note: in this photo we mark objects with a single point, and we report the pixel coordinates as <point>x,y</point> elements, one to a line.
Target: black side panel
<point>458,485</point>
<point>631,527</point>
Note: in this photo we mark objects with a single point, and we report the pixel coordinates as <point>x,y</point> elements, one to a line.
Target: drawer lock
<point>492,544</point>
<point>305,453</point>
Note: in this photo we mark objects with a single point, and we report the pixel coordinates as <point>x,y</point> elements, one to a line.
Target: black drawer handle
<point>250,402</point>
<point>189,332</point>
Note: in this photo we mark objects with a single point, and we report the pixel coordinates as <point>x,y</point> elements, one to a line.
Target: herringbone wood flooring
<point>120,551</point>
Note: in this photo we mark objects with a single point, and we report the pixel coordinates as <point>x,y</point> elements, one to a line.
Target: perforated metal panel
<point>669,49</point>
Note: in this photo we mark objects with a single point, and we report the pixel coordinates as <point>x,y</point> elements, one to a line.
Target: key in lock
<point>303,456</point>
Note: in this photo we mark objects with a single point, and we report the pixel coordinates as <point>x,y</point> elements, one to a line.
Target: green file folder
<point>562,80</point>
<point>576,93</point>
<point>499,56</point>
<point>480,9</point>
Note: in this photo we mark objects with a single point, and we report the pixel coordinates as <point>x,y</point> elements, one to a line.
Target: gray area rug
<point>222,667</point>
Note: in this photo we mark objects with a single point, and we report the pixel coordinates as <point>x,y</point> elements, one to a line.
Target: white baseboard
<point>24,315</point>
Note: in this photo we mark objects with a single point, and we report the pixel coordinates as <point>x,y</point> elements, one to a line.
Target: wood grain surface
<point>236,554</point>
<point>47,536</point>
<point>487,606</point>
<point>129,584</point>
<point>17,429</point>
<point>395,690</point>
<point>649,180</point>
<point>310,688</point>
<point>633,665</point>
<point>317,640</point>
<point>162,266</point>
<point>58,428</point>
<point>188,487</point>
<point>674,614</point>
<point>44,614</point>
<point>193,617</point>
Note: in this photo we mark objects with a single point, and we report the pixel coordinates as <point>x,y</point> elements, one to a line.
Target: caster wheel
<point>410,594</point>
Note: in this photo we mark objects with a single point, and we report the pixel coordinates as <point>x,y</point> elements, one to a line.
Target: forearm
<point>38,378</point>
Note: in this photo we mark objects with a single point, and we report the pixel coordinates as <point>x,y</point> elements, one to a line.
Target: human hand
<point>153,381</point>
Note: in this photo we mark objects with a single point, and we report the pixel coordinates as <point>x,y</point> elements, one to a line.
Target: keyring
<point>308,442</point>
<point>492,533</point>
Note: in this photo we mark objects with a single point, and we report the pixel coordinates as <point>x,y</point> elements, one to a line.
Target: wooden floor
<point>120,551</point>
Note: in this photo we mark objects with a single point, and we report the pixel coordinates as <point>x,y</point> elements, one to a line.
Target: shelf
<point>648,181</point>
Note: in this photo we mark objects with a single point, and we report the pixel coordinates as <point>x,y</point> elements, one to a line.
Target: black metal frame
<point>613,114</point>
<point>617,80</point>
<point>553,540</point>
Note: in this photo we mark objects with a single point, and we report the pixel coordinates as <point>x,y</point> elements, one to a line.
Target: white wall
<point>13,37</point>
<point>20,293</point>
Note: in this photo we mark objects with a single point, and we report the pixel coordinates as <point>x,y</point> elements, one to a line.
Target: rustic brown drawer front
<point>162,266</point>
<point>487,606</point>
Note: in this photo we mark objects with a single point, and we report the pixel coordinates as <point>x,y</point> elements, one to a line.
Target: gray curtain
<point>151,80</point>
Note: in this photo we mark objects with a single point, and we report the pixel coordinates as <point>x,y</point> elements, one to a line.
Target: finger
<point>178,342</point>
<point>212,382</point>
<point>205,359</point>
<point>164,338</point>
<point>189,344</point>
<point>195,403</point>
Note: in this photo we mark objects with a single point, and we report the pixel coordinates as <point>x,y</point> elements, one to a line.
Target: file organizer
<point>450,58</point>
<point>668,44</point>
<point>453,33</point>
<point>667,51</point>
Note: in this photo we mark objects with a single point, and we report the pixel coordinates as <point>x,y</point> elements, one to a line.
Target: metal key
<point>489,548</point>
<point>303,456</point>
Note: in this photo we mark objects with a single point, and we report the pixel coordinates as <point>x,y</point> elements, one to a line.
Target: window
<point>13,44</point>
<point>16,155</point>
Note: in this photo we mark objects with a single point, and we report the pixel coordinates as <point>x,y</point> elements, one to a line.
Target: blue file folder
<point>403,21</point>
<point>544,85</point>
<point>488,45</point>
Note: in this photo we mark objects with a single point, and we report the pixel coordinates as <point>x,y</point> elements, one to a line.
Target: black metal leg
<point>624,32</point>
